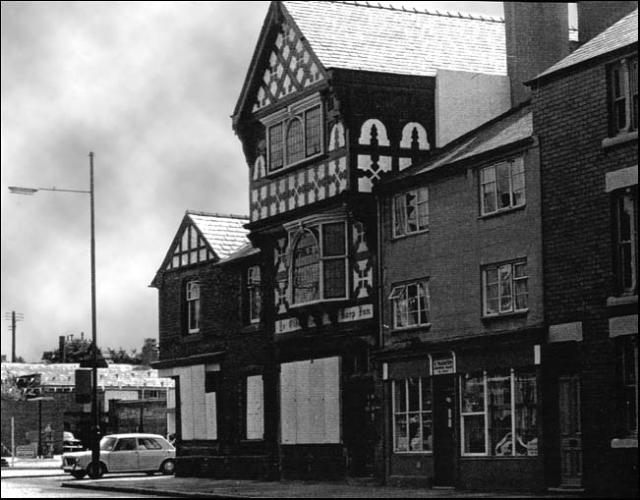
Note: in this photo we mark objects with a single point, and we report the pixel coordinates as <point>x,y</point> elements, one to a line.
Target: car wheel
<point>96,472</point>
<point>168,467</point>
<point>79,474</point>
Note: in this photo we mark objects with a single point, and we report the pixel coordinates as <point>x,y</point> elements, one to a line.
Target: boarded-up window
<point>310,401</point>
<point>255,407</point>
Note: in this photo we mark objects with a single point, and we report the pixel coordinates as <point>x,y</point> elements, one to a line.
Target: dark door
<point>570,432</point>
<point>444,445</point>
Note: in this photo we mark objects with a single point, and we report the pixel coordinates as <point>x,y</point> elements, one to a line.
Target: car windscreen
<point>106,443</point>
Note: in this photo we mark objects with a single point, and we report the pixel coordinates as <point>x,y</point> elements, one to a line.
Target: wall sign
<point>345,315</point>
<point>443,366</point>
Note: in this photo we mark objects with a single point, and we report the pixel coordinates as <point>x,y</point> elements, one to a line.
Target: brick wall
<point>571,120</point>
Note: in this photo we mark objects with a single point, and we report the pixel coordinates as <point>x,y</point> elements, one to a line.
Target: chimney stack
<point>61,343</point>
<point>537,36</point>
<point>595,17</point>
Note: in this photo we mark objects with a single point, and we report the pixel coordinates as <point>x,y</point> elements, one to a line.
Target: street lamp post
<point>95,414</point>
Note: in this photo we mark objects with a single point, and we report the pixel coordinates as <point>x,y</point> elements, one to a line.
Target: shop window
<point>310,401</point>
<point>502,186</point>
<point>494,408</point>
<point>254,406</point>
<point>254,294</point>
<point>193,307</point>
<point>412,415</point>
<point>319,263</point>
<point>505,288</point>
<point>410,303</point>
<point>411,212</point>
<point>626,239</point>
<point>623,96</point>
<point>296,138</point>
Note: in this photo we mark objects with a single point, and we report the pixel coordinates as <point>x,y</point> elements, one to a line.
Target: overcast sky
<point>149,88</point>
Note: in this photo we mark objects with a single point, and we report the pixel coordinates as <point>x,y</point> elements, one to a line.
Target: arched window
<point>306,269</point>
<point>295,141</point>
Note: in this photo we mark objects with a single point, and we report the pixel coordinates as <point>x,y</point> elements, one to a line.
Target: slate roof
<point>387,40</point>
<point>242,252</point>
<point>63,374</point>
<point>621,34</point>
<point>225,233</point>
<point>508,128</point>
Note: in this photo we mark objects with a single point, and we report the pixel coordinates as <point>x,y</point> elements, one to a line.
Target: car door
<point>150,454</point>
<point>124,456</point>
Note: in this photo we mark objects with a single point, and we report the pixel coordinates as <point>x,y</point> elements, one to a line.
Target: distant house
<point>116,383</point>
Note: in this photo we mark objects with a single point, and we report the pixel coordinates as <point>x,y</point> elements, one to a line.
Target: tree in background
<point>76,350</point>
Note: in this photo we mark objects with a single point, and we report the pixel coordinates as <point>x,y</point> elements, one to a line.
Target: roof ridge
<point>216,214</point>
<point>476,17</point>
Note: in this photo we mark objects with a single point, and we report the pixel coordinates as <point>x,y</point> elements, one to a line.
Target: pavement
<point>195,487</point>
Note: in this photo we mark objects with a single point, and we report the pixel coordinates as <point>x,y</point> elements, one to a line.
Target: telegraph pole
<point>14,317</point>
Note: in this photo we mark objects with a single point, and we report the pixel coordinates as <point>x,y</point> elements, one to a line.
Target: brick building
<point>585,112</point>
<point>212,343</point>
<point>60,412</point>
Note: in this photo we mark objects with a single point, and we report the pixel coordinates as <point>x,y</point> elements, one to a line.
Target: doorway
<point>444,442</point>
<point>570,432</point>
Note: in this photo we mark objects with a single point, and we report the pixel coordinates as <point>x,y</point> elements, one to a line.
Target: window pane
<point>501,439</point>
<point>313,130</point>
<point>400,395</point>
<point>414,394</point>
<point>402,441</point>
<point>411,210</point>
<point>427,432</point>
<point>504,191</point>
<point>333,239</point>
<point>423,303</point>
<point>334,278</point>
<point>526,414</point>
<point>505,288</point>
<point>399,216</point>
<point>415,432</point>
<point>275,147</point>
<point>295,141</point>
<point>473,395</point>
<point>426,395</point>
<point>473,433</point>
<point>193,238</point>
<point>400,311</point>
<point>412,304</point>
<point>306,269</point>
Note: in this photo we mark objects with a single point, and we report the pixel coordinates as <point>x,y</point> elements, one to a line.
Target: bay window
<point>496,407</point>
<point>294,135</point>
<point>412,415</point>
<point>319,263</point>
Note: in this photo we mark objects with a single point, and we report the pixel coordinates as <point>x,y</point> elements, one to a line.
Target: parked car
<point>70,443</point>
<point>134,452</point>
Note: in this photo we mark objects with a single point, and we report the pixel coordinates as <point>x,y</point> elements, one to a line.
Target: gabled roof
<point>224,233</point>
<point>509,128</point>
<point>359,37</point>
<point>621,34</point>
<point>63,375</point>
<point>408,42</point>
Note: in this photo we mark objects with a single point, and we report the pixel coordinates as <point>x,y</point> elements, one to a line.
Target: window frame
<point>254,293</point>
<point>400,204</point>
<point>399,292</point>
<point>512,286</point>
<point>283,119</point>
<point>317,232</point>
<point>519,173</point>
<point>407,412</point>
<point>627,95</point>
<point>193,306</point>
<point>619,197</point>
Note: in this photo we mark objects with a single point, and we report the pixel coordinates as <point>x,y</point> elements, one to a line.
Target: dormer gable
<point>283,64</point>
<point>203,238</point>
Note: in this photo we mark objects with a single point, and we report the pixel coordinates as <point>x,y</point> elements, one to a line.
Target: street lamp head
<point>22,190</point>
